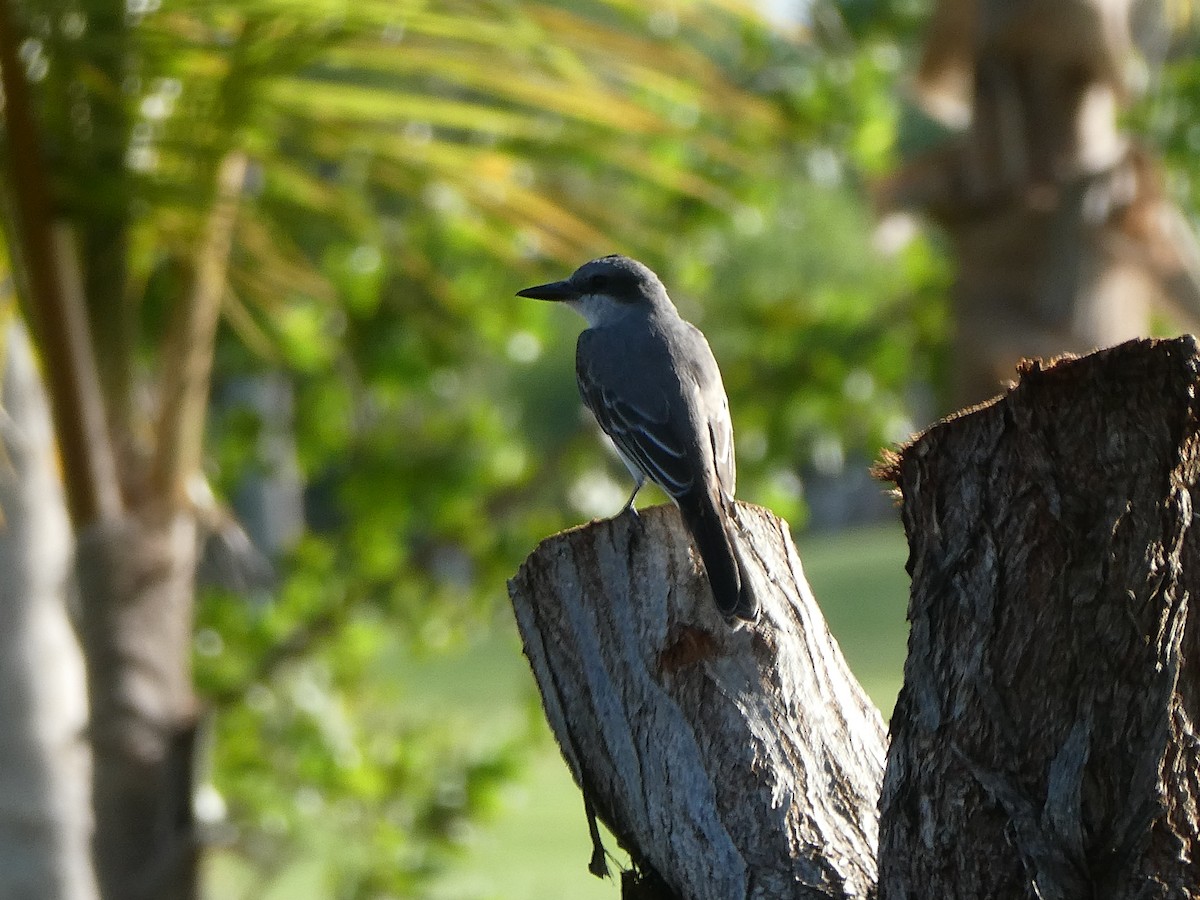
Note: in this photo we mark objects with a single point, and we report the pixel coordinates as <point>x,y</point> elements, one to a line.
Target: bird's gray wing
<point>636,414</point>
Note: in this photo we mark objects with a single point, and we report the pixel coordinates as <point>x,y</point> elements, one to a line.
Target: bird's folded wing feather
<point>710,403</point>
<point>720,431</point>
<point>642,429</point>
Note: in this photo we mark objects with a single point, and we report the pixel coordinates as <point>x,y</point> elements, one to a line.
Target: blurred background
<point>276,430</point>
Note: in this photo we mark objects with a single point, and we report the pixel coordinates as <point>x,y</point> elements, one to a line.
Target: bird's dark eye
<point>594,283</point>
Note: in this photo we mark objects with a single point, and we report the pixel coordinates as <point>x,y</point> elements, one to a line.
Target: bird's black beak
<point>555,290</point>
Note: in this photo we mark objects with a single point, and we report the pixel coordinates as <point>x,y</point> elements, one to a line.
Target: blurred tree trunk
<point>1062,236</point>
<point>1046,743</point>
<point>129,504</point>
<point>136,587</point>
<point>45,816</point>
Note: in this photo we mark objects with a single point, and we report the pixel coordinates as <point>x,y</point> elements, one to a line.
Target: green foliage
<point>413,165</point>
<point>375,795</point>
<point>1167,114</point>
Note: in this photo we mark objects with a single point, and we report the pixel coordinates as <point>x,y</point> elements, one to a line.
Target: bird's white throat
<point>600,309</point>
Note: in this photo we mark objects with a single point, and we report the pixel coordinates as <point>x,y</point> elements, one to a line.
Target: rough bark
<point>729,763</point>
<point>45,767</point>
<point>1044,744</point>
<point>136,579</point>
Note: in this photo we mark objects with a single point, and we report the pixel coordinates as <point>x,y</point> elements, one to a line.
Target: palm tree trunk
<point>1063,238</point>
<point>135,528</point>
<point>136,582</point>
<point>45,766</point>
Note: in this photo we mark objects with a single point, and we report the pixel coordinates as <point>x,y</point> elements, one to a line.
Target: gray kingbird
<point>653,385</point>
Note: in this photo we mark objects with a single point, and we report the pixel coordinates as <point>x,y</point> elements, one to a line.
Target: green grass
<point>537,847</point>
<point>859,581</point>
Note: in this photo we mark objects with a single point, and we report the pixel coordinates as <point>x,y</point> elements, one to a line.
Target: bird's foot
<point>633,514</point>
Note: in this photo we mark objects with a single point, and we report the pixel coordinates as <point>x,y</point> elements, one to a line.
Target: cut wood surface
<point>731,763</point>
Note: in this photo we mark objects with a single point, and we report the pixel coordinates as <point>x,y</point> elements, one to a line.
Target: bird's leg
<point>629,507</point>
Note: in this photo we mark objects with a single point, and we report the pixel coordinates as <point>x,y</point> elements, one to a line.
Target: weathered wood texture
<point>730,763</point>
<point>1044,744</point>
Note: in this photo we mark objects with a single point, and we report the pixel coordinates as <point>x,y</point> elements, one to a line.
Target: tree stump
<point>1044,744</point>
<point>728,763</point>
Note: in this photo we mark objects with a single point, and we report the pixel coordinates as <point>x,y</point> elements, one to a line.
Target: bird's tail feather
<point>712,531</point>
<point>747,608</point>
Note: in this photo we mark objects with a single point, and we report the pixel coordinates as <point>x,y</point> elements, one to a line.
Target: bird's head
<point>605,289</point>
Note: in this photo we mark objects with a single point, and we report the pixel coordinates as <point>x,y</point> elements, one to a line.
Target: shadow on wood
<point>731,763</point>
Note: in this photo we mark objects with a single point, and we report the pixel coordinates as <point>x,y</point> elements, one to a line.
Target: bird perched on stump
<point>653,385</point>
